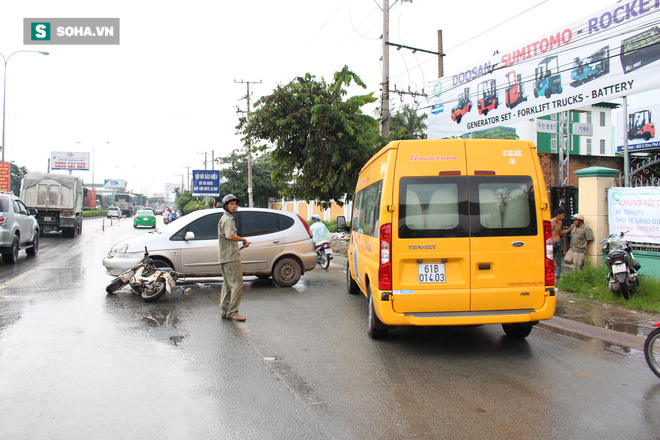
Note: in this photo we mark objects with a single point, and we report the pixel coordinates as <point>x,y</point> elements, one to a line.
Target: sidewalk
<point>589,319</point>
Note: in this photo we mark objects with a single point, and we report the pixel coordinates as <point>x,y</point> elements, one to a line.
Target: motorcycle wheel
<point>152,292</point>
<point>115,285</point>
<point>652,351</point>
<point>324,261</point>
<point>624,290</point>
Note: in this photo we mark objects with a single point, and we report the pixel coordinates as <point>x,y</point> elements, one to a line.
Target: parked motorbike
<point>146,280</point>
<point>652,349</point>
<point>324,254</point>
<point>621,264</point>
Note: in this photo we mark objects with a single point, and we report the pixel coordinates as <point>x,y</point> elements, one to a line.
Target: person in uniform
<point>230,260</point>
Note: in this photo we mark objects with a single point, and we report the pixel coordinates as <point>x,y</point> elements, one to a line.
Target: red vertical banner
<point>5,177</point>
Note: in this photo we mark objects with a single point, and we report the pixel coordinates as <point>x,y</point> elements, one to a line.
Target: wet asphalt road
<point>76,363</point>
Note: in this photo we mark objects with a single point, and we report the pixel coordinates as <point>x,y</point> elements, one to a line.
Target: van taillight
<point>549,255</point>
<point>385,267</point>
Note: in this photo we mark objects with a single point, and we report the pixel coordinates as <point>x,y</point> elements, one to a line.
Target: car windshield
<point>145,212</point>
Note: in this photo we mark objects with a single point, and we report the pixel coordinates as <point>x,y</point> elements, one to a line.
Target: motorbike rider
<point>230,260</point>
<point>320,233</point>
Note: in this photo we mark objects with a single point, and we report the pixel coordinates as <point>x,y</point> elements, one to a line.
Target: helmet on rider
<point>229,198</point>
<point>316,218</point>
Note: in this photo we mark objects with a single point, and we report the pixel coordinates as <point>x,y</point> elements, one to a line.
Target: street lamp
<point>93,159</point>
<point>4,94</point>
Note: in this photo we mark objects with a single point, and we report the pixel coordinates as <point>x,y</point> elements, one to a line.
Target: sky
<point>150,109</point>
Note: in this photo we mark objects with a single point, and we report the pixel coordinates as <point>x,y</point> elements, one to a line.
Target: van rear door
<point>507,244</point>
<point>430,228</point>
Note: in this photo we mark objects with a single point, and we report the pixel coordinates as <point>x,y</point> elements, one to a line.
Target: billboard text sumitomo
<point>612,53</point>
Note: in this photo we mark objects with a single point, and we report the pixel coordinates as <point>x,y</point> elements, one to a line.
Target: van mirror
<point>341,224</point>
<point>33,212</point>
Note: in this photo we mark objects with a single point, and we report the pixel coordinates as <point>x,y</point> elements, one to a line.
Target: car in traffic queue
<point>144,217</point>
<point>281,245</point>
<point>113,212</point>
<point>19,228</point>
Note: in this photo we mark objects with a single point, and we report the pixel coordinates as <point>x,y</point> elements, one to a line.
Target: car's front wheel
<point>32,251</point>
<point>286,272</point>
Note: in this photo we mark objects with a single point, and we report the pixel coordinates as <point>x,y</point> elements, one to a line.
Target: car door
<point>265,233</point>
<point>24,221</point>
<point>199,255</point>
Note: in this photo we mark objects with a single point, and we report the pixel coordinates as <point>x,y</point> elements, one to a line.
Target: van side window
<point>502,206</point>
<point>432,207</point>
<point>367,210</point>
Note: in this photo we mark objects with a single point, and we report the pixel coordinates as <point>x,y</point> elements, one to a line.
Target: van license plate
<point>431,273</point>
<point>618,268</point>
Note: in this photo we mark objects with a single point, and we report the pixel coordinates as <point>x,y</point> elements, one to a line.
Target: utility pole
<point>385,84</point>
<point>249,145</point>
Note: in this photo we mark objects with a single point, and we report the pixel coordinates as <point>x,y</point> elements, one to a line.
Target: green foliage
<point>196,205</point>
<point>321,140</point>
<point>235,171</point>
<point>91,213</point>
<point>407,124</point>
<point>16,175</point>
<point>591,283</point>
<point>182,199</point>
<point>495,134</point>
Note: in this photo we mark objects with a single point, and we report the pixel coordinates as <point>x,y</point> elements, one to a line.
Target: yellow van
<point>452,232</point>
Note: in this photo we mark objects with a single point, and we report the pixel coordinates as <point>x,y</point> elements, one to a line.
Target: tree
<point>495,133</point>
<point>407,124</point>
<point>321,141</point>
<point>16,175</point>
<point>235,174</point>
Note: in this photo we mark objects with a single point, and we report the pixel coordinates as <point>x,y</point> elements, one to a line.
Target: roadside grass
<point>591,283</point>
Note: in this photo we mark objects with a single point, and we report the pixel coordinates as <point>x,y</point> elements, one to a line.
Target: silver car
<point>281,245</point>
<point>18,229</point>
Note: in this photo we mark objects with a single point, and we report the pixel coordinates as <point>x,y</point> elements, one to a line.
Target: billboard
<point>609,54</point>
<point>63,160</point>
<point>641,129</point>
<point>635,211</point>
<point>206,183</point>
<point>5,177</point>
<point>169,187</point>
<point>114,184</point>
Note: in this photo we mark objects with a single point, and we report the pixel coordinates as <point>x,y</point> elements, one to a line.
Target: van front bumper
<point>387,315</point>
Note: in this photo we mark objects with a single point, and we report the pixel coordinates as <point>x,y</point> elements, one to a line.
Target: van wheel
<point>286,272</point>
<point>519,331</point>
<point>351,285</point>
<point>375,327</point>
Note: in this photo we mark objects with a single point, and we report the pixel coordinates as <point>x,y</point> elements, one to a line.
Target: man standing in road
<point>581,235</point>
<point>230,260</point>
<point>557,241</point>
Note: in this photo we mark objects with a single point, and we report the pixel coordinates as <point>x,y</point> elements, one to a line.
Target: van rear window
<point>477,206</point>
<point>502,206</point>
<point>433,207</point>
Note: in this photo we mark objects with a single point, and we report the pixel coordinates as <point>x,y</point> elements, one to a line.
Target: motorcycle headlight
<point>119,249</point>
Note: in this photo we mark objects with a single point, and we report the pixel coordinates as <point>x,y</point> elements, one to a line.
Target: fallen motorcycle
<point>652,349</point>
<point>324,254</point>
<point>623,277</point>
<point>146,280</point>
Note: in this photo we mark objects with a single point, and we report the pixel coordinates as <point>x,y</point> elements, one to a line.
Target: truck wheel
<point>32,251</point>
<point>11,256</point>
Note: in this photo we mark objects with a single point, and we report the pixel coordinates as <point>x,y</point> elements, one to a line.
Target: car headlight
<point>119,249</point>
